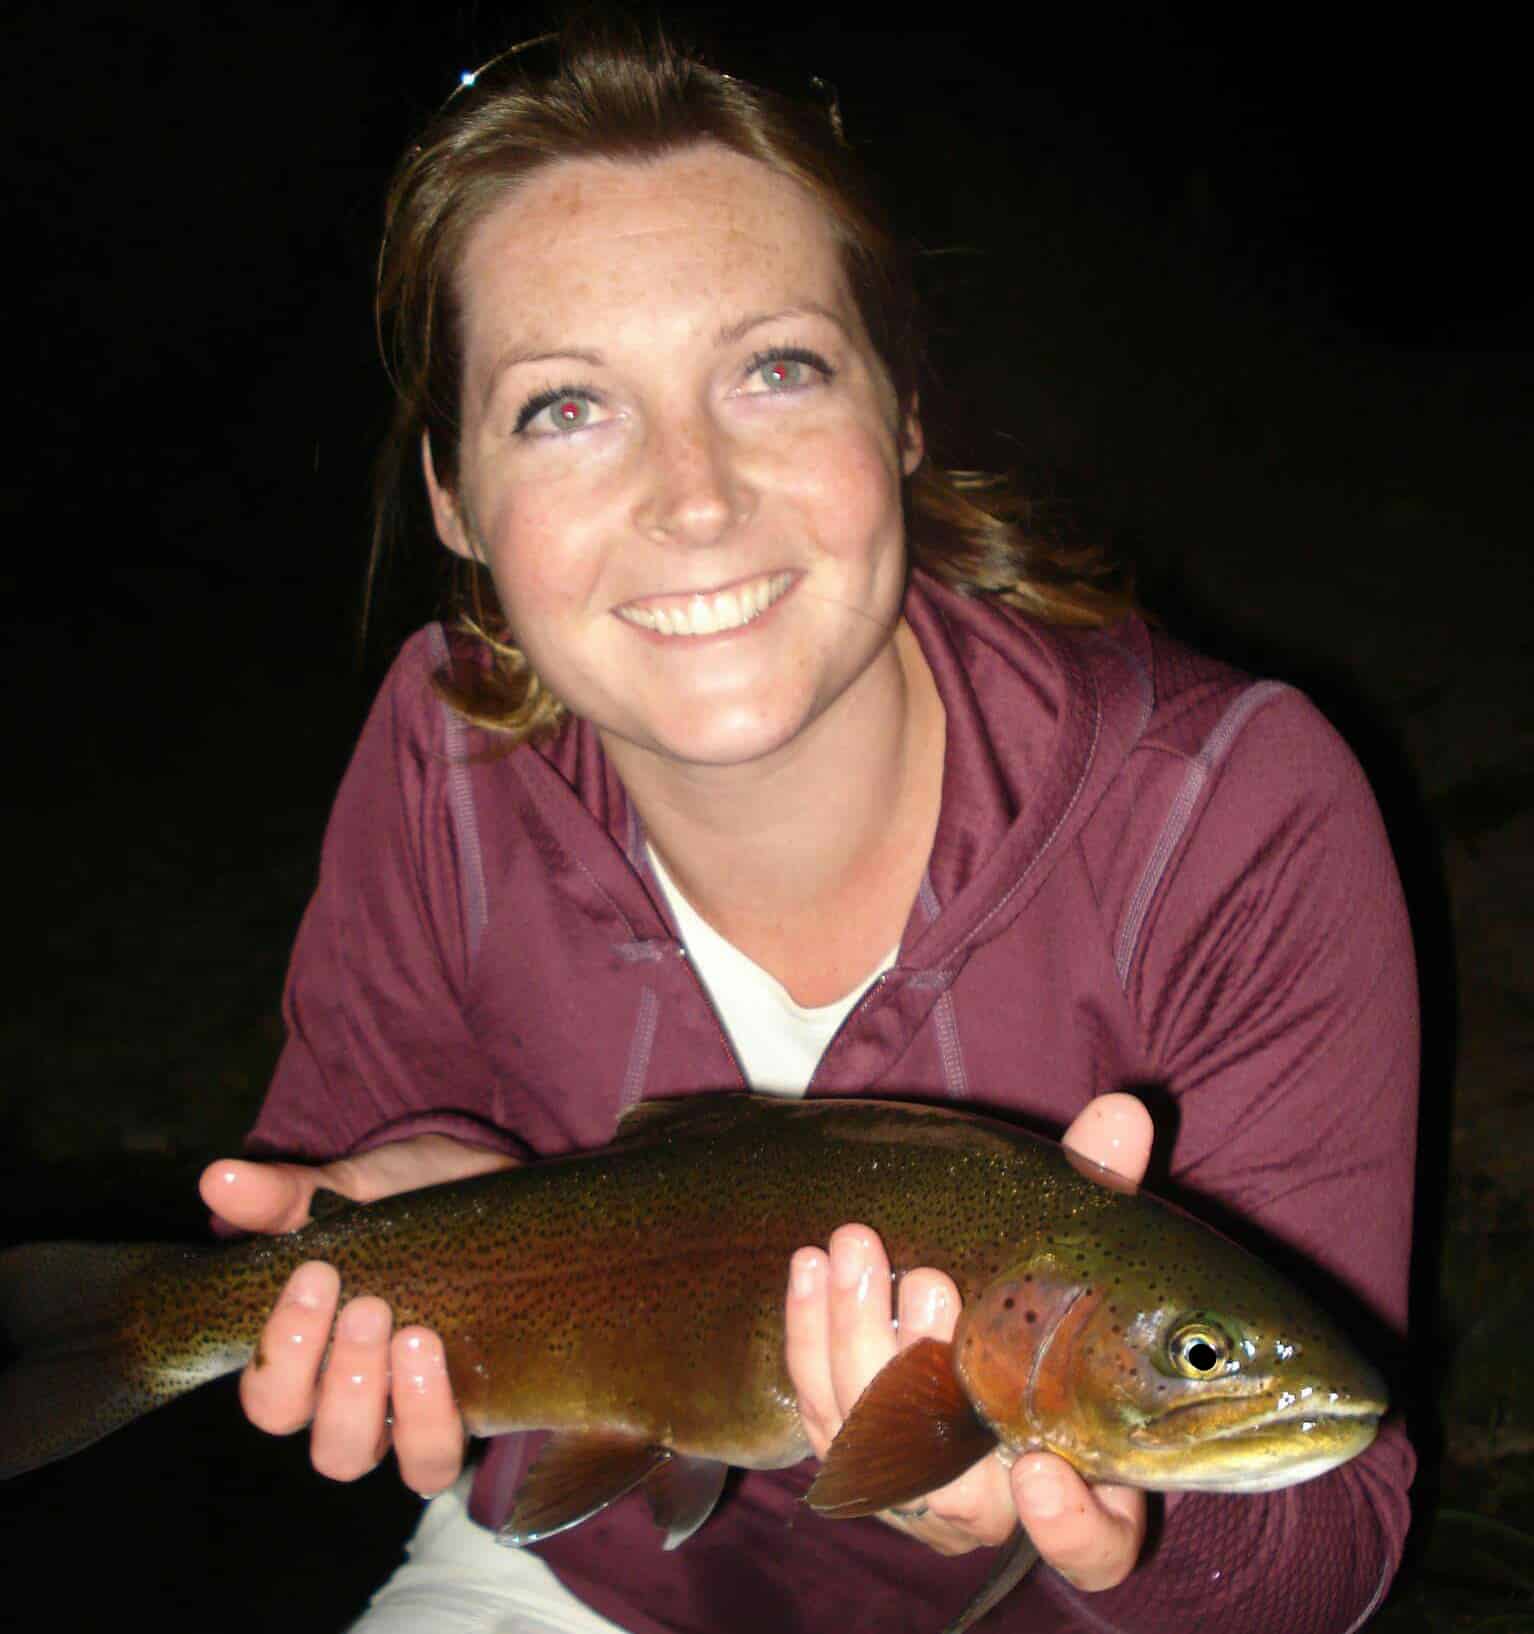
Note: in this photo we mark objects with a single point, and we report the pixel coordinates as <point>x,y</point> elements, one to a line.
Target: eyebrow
<point>728,335</point>
<point>733,332</point>
<point>515,358</point>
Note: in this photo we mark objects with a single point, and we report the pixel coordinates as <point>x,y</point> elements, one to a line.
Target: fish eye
<point>1198,1348</point>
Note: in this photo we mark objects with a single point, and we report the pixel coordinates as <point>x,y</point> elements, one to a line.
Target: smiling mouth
<point>710,613</point>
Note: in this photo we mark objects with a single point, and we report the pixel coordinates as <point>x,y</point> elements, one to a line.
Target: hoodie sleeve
<point>379,1046</point>
<point>1275,988</point>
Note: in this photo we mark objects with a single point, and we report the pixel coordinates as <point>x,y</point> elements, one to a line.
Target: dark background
<point>1251,302</point>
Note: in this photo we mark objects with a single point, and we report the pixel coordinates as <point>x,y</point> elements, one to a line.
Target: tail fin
<point>83,1371</point>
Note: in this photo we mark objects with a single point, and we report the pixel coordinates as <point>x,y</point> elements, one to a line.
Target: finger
<point>1091,1536</point>
<point>428,1430</point>
<point>862,1334</point>
<point>928,1304</point>
<point>976,1511</point>
<point>807,1346</point>
<point>259,1196</point>
<point>350,1416</point>
<point>278,1384</point>
<point>1113,1130</point>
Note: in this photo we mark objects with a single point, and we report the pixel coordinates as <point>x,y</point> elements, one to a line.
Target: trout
<point>631,1301</point>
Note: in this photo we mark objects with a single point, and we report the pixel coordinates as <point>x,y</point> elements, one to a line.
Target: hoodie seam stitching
<point>1200,770</point>
<point>1386,1576</point>
<point>461,811</point>
<point>646,1025</point>
<point>950,1048</point>
<point>1054,833</point>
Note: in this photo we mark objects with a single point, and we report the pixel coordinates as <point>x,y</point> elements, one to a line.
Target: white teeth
<point>708,615</point>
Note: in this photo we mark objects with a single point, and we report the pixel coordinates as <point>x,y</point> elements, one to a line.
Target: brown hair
<point>614,94</point>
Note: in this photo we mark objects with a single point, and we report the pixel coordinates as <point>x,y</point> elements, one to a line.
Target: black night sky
<point>1249,297</point>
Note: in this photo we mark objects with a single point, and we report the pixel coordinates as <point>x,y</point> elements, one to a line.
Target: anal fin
<point>911,1431</point>
<point>682,1493</point>
<point>578,1473</point>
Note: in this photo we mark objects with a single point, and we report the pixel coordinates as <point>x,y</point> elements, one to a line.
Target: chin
<point>723,749</point>
<point>709,740</point>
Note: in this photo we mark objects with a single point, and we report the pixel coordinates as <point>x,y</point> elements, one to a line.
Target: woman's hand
<point>350,1394</point>
<point>839,1335</point>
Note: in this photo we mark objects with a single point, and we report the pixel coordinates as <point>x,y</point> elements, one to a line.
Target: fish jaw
<point>1255,1435</point>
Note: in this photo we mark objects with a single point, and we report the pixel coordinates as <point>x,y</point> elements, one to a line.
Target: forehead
<point>704,227</point>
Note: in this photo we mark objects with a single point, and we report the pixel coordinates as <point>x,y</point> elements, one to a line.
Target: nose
<point>695,490</point>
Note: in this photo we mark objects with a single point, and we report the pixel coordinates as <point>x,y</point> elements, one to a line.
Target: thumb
<point>1091,1535</point>
<point>270,1197</point>
<point>1115,1131</point>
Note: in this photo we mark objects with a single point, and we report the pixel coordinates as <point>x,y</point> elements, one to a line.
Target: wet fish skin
<point>638,1290</point>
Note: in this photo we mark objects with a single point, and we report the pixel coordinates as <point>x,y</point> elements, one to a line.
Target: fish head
<point>1168,1359</point>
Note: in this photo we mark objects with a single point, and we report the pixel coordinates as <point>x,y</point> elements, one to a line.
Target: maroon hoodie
<point>1148,870</point>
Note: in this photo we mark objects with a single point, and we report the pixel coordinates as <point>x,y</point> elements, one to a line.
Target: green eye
<point>1198,1348</point>
<point>781,372</point>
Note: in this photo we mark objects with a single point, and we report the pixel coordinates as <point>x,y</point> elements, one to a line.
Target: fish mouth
<point>708,612</point>
<point>1255,1442</point>
<point>1235,1416</point>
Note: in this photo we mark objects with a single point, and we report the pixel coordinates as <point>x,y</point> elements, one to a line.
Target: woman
<point>815,773</point>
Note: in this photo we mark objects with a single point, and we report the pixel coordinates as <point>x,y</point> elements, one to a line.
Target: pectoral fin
<point>682,1493</point>
<point>911,1431</point>
<point>577,1474</point>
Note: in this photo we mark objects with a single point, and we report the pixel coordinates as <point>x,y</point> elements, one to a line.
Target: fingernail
<point>426,1362</point>
<point>306,1286</point>
<point>364,1322</point>
<point>1043,1496</point>
<point>931,1309</point>
<point>420,1370</point>
<point>849,1267</point>
<point>805,1277</point>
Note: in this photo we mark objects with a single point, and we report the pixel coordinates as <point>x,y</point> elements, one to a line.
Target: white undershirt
<point>777,1042</point>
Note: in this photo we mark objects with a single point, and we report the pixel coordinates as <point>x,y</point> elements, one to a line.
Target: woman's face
<point>680,459</point>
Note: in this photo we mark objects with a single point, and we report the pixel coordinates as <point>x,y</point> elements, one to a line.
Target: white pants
<point>459,1580</point>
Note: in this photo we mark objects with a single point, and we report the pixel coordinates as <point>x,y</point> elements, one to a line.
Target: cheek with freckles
<point>849,492</point>
<point>544,565</point>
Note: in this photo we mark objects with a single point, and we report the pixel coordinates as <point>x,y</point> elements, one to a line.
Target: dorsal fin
<point>328,1205</point>
<point>646,1120</point>
<point>911,1431</point>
